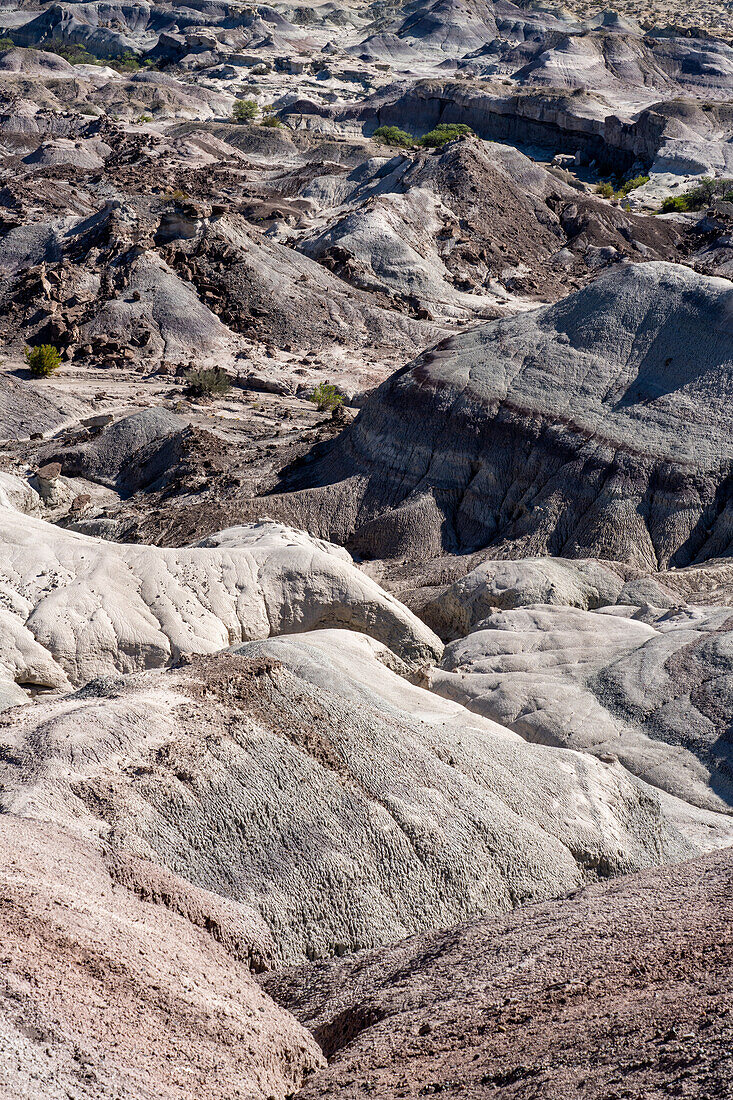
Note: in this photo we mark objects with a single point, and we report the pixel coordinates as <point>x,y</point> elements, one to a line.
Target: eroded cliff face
<point>581,429</point>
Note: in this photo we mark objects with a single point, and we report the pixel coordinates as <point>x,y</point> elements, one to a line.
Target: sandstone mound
<point>474,219</point>
<point>343,807</point>
<point>77,607</point>
<point>597,427</point>
<point>620,989</point>
<point>107,994</point>
<point>35,63</point>
<point>163,308</point>
<point>655,693</point>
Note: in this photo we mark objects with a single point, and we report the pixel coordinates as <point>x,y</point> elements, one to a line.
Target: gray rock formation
<point>583,429</point>
<point>76,607</point>
<point>113,457</point>
<point>652,690</point>
<point>342,806</point>
<point>31,408</point>
<point>510,584</point>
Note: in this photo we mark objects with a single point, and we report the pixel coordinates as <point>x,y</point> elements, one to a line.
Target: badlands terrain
<point>366,550</point>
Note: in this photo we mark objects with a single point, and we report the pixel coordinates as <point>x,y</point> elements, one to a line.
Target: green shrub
<point>125,63</point>
<point>631,185</point>
<point>392,135</point>
<point>244,110</point>
<point>42,360</point>
<point>75,55</point>
<point>271,120</point>
<point>6,44</point>
<point>207,382</point>
<point>699,197</point>
<point>608,191</point>
<point>326,396</point>
<point>445,132</point>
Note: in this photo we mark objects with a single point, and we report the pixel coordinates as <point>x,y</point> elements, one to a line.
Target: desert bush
<point>207,382</point>
<point>260,70</point>
<point>127,62</point>
<point>6,44</point>
<point>607,190</point>
<point>326,396</point>
<point>74,54</point>
<point>700,196</point>
<point>271,120</point>
<point>631,185</point>
<point>445,132</point>
<point>42,360</point>
<point>392,135</point>
<point>244,110</point>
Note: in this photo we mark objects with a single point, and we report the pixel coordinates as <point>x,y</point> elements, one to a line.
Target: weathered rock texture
<point>340,805</point>
<point>120,980</point>
<point>76,607</point>
<point>27,408</point>
<point>620,990</point>
<point>597,427</point>
<point>654,690</point>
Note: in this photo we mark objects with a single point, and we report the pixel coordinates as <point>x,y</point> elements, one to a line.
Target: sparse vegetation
<point>244,110</point>
<point>392,135</point>
<point>6,44</point>
<point>700,196</point>
<point>126,63</point>
<point>631,185</point>
<point>75,54</point>
<point>445,132</point>
<point>607,190</point>
<point>43,360</point>
<point>207,382</point>
<point>271,120</point>
<point>326,396</point>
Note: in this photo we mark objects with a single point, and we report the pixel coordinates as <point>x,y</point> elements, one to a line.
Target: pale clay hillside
<point>366,550</point>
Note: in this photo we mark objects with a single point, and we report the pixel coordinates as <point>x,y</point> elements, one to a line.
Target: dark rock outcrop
<point>596,427</point>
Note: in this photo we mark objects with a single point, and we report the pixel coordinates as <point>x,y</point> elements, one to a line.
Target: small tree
<point>392,135</point>
<point>706,191</point>
<point>244,110</point>
<point>445,132</point>
<point>326,396</point>
<point>207,382</point>
<point>42,360</point>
